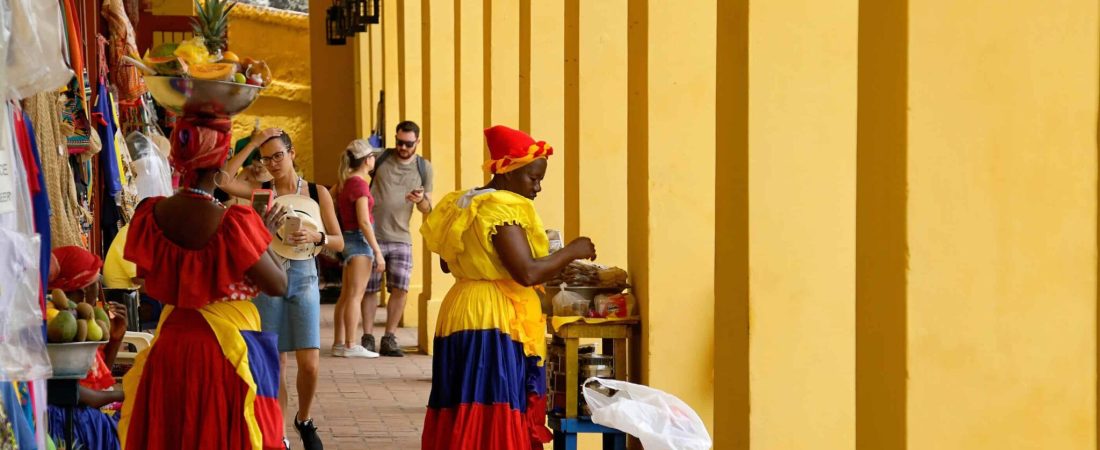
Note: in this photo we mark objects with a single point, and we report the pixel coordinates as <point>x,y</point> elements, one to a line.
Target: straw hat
<point>310,212</point>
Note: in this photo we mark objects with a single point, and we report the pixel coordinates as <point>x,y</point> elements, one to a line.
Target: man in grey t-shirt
<point>401,180</point>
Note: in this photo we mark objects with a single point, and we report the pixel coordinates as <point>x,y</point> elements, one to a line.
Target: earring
<point>220,172</point>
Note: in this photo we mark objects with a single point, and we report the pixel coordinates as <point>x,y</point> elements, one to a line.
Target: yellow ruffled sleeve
<point>443,227</point>
<point>506,208</point>
<point>458,212</point>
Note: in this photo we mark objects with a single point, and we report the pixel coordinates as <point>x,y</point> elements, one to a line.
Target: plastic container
<point>72,360</point>
<point>588,292</point>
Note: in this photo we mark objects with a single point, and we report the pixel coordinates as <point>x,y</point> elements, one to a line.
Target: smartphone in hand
<point>291,225</point>
<point>261,201</point>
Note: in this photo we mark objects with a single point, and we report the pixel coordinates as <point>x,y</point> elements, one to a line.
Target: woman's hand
<point>259,137</point>
<point>379,261</point>
<point>304,236</point>
<point>274,217</point>
<point>119,322</point>
<point>581,248</point>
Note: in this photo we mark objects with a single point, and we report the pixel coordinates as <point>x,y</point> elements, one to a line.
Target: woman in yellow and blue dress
<point>488,379</point>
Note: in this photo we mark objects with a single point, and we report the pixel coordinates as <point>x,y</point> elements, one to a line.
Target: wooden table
<point>615,337</point>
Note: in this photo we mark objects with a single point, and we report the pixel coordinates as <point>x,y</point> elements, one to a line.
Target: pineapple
<point>211,23</point>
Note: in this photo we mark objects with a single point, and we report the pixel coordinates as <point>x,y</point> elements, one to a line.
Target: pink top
<point>354,189</point>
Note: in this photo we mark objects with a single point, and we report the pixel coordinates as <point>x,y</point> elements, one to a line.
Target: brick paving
<point>366,404</point>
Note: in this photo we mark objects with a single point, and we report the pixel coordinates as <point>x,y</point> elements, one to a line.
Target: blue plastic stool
<point>566,430</point>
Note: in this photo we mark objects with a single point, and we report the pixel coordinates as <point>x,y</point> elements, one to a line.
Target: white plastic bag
<point>660,420</point>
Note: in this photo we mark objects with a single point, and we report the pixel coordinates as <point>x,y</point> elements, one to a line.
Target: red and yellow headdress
<point>512,149</point>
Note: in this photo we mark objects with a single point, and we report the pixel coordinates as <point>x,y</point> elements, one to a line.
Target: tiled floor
<point>366,404</point>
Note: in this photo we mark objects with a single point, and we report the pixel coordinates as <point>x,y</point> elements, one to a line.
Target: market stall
<point>82,140</point>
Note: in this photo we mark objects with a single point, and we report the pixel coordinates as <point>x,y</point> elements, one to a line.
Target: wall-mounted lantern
<point>335,25</point>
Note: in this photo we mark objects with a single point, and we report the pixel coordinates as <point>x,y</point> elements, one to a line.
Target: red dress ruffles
<point>191,278</point>
<point>210,379</point>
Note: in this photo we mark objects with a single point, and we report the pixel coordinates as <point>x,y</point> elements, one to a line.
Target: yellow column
<point>363,113</point>
<point>410,59</point>
<point>410,104</point>
<point>376,62</point>
<point>731,224</point>
<point>332,79</point>
<point>439,133</point>
<point>1002,177</point>
<point>389,68</point>
<point>470,91</point>
<point>882,253</point>
<point>598,114</point>
<point>546,107</point>
<point>801,222</point>
<point>391,81</point>
<point>671,200</point>
<point>503,59</point>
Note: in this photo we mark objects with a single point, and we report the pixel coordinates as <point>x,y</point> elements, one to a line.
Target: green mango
<point>101,315</point>
<point>62,328</point>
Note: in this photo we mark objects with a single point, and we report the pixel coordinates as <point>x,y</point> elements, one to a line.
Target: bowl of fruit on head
<point>199,76</point>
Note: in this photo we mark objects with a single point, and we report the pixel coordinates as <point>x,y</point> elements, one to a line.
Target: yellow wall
<point>801,213</point>
<point>333,78</point>
<point>850,224</point>
<point>1002,224</point>
<point>281,39</point>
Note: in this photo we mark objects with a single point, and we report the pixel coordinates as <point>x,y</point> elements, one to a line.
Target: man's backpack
<point>421,166</point>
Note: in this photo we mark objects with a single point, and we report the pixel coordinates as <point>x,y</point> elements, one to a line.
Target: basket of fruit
<point>198,76</point>
<point>73,332</point>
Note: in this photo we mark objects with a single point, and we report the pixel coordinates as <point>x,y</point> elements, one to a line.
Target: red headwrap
<point>512,149</point>
<point>199,143</point>
<point>77,268</point>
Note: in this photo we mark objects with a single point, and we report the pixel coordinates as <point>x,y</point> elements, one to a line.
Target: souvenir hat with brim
<point>310,212</point>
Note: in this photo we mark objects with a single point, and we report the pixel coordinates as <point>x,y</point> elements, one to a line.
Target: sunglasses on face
<point>275,157</point>
<point>406,144</point>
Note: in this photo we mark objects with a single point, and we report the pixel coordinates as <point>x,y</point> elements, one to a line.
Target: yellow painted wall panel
<point>280,38</point>
<point>470,89</point>
<point>1002,223</point>
<point>801,229</point>
<point>547,109</point>
<point>602,128</point>
<point>672,214</point>
<point>504,66</point>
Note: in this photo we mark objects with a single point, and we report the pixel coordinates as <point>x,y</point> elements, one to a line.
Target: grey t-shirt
<point>392,181</point>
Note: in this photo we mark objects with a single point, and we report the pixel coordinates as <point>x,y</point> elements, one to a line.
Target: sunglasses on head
<point>406,144</point>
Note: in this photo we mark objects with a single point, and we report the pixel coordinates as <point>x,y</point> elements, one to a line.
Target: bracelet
<point>324,240</point>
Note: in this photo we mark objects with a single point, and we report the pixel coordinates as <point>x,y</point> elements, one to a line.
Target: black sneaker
<point>389,346</point>
<point>308,432</point>
<point>367,341</point>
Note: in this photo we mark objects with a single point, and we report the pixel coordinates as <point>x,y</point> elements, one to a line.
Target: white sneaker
<point>339,350</point>
<point>357,351</point>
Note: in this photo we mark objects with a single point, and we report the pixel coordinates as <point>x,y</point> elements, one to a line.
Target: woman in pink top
<point>355,205</point>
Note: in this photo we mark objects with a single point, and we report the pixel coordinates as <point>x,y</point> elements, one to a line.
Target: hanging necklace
<point>297,187</point>
<point>199,193</point>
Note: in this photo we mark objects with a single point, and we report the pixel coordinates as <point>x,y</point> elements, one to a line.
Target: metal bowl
<point>189,96</point>
<point>72,359</point>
